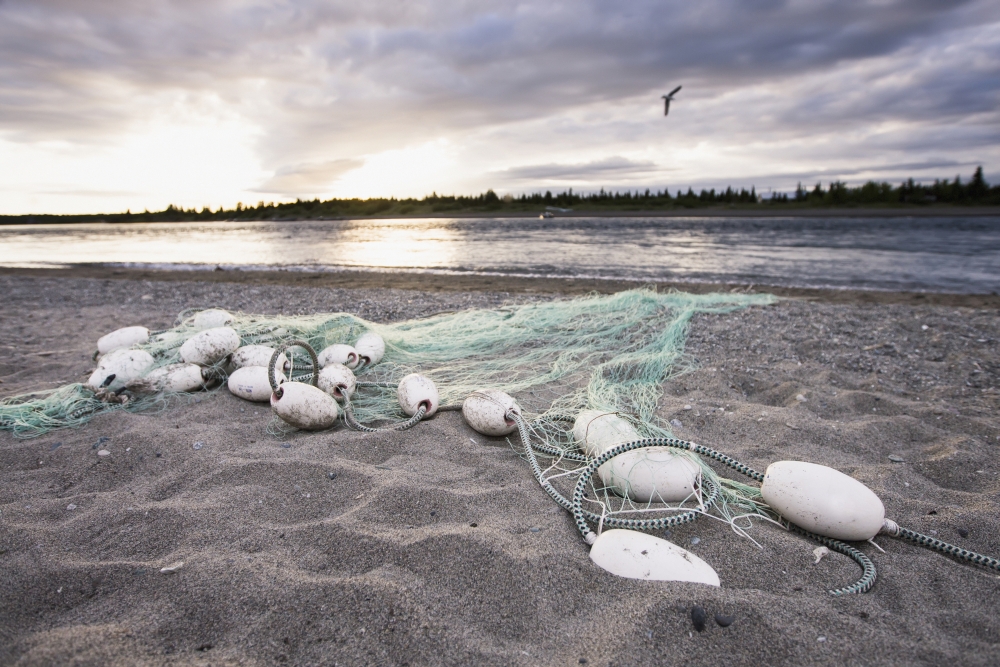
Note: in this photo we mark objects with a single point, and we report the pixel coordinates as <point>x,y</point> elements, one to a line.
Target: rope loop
<point>314,379</point>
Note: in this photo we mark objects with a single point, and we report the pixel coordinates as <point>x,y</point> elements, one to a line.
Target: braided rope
<point>609,521</point>
<point>867,580</point>
<point>891,528</point>
<point>402,426</point>
<point>581,516</point>
<point>280,350</point>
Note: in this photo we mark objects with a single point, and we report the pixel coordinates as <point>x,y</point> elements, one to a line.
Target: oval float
<point>648,475</point>
<point>258,355</point>
<point>209,346</point>
<point>251,383</point>
<point>125,365</point>
<point>212,318</point>
<point>122,338</point>
<point>370,347</point>
<point>415,390</point>
<point>172,378</point>
<point>337,380</point>
<point>486,412</point>
<point>823,500</point>
<point>304,406</point>
<point>338,354</point>
<point>635,555</point>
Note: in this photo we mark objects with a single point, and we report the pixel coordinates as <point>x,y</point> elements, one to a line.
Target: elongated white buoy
<point>370,348</point>
<point>304,406</point>
<point>823,500</point>
<point>635,555</point>
<point>251,383</point>
<point>122,338</point>
<point>596,432</point>
<point>212,318</point>
<point>172,378</point>
<point>338,354</point>
<point>415,390</point>
<point>486,412</point>
<point>647,475</point>
<point>209,346</point>
<point>125,365</point>
<point>258,355</point>
<point>337,380</point>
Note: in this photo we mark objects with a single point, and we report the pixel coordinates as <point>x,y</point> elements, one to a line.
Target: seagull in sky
<point>667,98</point>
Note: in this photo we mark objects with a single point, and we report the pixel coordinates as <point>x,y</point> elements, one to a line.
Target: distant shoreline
<point>758,211</point>
<point>431,282</point>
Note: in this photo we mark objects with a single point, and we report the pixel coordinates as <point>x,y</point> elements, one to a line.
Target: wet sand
<point>418,547</point>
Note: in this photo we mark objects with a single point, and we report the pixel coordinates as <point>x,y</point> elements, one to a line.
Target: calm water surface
<point>952,254</point>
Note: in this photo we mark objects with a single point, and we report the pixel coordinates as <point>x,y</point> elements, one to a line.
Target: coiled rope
<point>314,376</point>
<point>581,516</point>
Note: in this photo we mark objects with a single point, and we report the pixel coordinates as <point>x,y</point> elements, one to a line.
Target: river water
<point>941,254</point>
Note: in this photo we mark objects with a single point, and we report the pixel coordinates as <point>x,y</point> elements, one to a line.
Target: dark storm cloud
<point>335,80</point>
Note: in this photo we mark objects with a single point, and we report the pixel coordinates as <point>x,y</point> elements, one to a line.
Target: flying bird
<point>667,98</point>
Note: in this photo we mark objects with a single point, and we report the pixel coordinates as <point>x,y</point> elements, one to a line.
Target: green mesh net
<point>609,353</point>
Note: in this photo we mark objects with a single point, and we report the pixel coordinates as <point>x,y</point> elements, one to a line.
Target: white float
<point>647,475</point>
<point>823,500</point>
<point>338,354</point>
<point>173,378</point>
<point>415,390</point>
<point>337,380</point>
<point>304,406</point>
<point>252,384</point>
<point>212,318</point>
<point>125,365</point>
<point>370,347</point>
<point>486,412</point>
<point>635,555</point>
<point>209,346</point>
<point>259,355</point>
<point>122,338</point>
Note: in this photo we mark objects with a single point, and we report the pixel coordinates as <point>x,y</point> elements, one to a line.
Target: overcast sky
<point>137,104</point>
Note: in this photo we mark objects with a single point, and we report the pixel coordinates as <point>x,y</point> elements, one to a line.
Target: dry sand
<point>418,547</point>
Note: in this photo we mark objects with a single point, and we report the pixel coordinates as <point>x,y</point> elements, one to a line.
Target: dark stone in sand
<point>285,445</point>
<point>55,446</point>
<point>331,475</point>
<point>962,532</point>
<point>698,618</point>
<point>724,621</point>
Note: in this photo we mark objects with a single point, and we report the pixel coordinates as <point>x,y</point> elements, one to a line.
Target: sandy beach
<point>436,546</point>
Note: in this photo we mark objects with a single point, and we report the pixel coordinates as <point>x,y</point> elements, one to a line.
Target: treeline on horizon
<point>975,192</point>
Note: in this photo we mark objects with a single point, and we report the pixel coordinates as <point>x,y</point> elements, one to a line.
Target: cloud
<point>307,179</point>
<point>551,90</point>
<point>614,168</point>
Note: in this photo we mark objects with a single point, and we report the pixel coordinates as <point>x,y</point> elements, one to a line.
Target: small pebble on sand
<point>71,506</point>
<point>819,553</point>
<point>695,540</point>
<point>198,445</point>
<point>821,639</point>
<point>676,423</point>
<point>103,452</point>
<point>896,459</point>
<point>535,529</point>
<point>331,475</point>
<point>698,618</point>
<point>687,407</point>
<point>801,398</point>
<point>286,445</point>
<point>724,621</point>
<point>962,532</point>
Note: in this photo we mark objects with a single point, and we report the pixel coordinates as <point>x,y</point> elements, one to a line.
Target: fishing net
<point>557,358</point>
